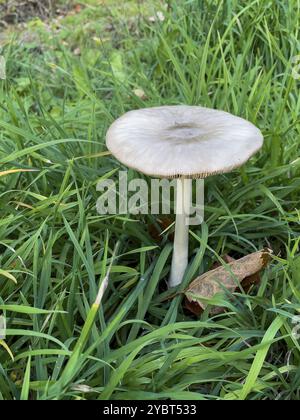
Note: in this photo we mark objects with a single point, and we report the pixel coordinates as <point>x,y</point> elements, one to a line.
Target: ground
<point>16,11</point>
<point>69,74</point>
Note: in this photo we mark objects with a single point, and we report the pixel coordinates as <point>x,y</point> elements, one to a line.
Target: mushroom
<point>182,142</point>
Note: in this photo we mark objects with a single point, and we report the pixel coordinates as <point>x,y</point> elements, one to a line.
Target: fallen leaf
<point>77,51</point>
<point>194,307</point>
<point>77,8</point>
<point>227,258</point>
<point>244,272</point>
<point>140,94</point>
<point>158,16</point>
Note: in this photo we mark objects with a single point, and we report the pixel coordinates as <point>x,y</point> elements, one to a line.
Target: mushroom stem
<point>181,241</point>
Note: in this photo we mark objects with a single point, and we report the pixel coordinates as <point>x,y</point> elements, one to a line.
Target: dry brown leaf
<point>77,8</point>
<point>77,51</point>
<point>140,94</point>
<point>244,271</point>
<point>227,258</point>
<point>194,307</point>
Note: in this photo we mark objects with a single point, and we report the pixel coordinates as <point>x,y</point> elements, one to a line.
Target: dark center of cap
<point>183,133</point>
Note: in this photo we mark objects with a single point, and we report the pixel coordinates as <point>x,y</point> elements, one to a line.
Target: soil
<point>17,11</point>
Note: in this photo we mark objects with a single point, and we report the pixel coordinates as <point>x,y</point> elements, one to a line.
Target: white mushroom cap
<point>182,141</point>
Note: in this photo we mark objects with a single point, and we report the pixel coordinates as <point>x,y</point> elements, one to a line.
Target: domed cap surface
<point>187,141</point>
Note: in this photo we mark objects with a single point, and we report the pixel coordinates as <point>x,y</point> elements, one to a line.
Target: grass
<point>66,83</point>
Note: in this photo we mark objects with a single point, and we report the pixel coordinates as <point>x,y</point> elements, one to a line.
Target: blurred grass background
<point>68,77</point>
